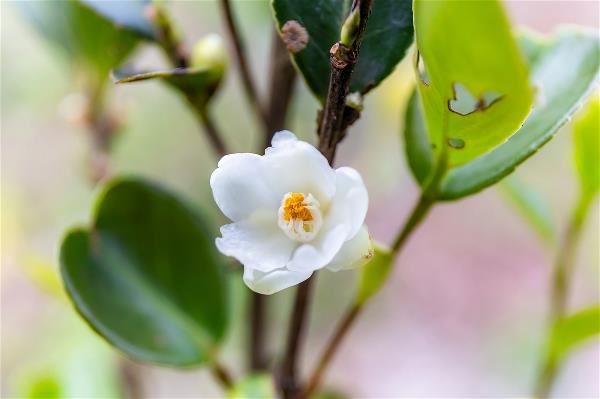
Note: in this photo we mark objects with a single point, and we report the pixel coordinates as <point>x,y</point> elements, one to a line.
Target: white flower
<point>292,214</point>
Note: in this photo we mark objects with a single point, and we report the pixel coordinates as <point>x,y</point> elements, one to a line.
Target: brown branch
<point>211,130</point>
<point>243,66</point>
<point>331,130</point>
<point>222,375</point>
<point>281,87</point>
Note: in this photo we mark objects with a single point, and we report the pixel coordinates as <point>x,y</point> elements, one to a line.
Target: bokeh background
<point>463,314</point>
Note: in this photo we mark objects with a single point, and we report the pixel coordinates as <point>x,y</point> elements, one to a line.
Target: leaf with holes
<point>146,276</point>
<point>80,32</point>
<point>130,14</point>
<point>586,144</point>
<point>564,71</point>
<point>310,27</point>
<point>198,84</point>
<point>475,90</point>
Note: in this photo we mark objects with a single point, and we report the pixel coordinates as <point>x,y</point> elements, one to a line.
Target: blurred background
<point>462,316</point>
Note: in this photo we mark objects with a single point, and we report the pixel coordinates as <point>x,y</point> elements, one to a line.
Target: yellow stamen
<point>294,208</point>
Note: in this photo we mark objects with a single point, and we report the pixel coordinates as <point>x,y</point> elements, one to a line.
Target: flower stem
<point>243,66</point>
<point>211,131</point>
<point>222,375</point>
<point>561,283</point>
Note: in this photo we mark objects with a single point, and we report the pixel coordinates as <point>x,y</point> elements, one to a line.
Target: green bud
<point>374,274</point>
<point>350,28</point>
<point>210,52</point>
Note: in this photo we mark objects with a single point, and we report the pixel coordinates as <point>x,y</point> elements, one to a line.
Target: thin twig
<point>212,133</point>
<point>330,131</point>
<point>561,283</point>
<point>222,375</point>
<point>243,66</point>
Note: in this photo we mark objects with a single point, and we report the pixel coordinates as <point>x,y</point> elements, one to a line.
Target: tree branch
<point>330,131</point>
<point>243,66</point>
<point>222,375</point>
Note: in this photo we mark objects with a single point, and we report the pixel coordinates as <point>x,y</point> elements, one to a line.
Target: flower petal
<point>321,251</point>
<point>292,165</point>
<point>258,243</point>
<point>354,253</point>
<point>274,281</point>
<point>350,202</point>
<point>239,188</point>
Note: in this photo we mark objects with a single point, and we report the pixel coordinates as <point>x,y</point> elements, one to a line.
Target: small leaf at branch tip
<point>349,30</point>
<point>374,274</point>
<point>294,36</point>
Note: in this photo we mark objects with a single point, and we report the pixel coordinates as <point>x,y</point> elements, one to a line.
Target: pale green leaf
<point>258,386</point>
<point>374,274</point>
<point>586,142</point>
<point>573,330</point>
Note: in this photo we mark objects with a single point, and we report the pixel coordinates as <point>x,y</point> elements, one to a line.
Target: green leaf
<point>416,144</point>
<point>259,386</point>
<point>574,330</point>
<point>476,92</point>
<point>564,73</point>
<point>44,386</point>
<point>586,143</point>
<point>374,274</point>
<point>197,84</point>
<point>130,14</point>
<point>531,205</point>
<point>147,276</point>
<point>388,35</point>
<point>91,42</point>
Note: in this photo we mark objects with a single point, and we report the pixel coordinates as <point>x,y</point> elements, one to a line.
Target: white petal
<point>258,243</point>
<point>239,188</point>
<point>291,165</point>
<point>354,253</point>
<point>350,202</point>
<point>274,281</point>
<point>321,251</point>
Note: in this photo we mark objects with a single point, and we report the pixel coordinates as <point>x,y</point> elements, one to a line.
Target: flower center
<point>299,216</point>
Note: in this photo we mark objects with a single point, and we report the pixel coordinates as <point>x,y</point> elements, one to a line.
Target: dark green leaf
<point>586,143</point>
<point>147,276</point>
<point>574,330</point>
<point>564,74</point>
<point>130,14</point>
<point>389,33</point>
<point>476,92</point>
<point>198,84</point>
<point>416,143</point>
<point>531,205</point>
<point>91,42</point>
<point>259,386</point>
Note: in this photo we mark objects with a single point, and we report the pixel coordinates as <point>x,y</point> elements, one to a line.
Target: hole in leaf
<point>465,103</point>
<point>422,70</point>
<point>456,143</point>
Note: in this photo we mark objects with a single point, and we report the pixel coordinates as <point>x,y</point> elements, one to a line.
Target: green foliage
<point>417,146</point>
<point>374,274</point>
<point>573,330</point>
<point>258,386</point>
<point>476,93</point>
<point>531,205</point>
<point>388,35</point>
<point>130,14</point>
<point>564,71</point>
<point>93,44</point>
<point>147,276</point>
<point>586,143</point>
<point>44,387</point>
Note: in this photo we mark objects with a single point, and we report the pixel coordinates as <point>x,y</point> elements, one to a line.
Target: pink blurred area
<point>463,314</point>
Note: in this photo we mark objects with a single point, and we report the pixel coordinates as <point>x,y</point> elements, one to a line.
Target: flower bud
<point>350,28</point>
<point>210,52</point>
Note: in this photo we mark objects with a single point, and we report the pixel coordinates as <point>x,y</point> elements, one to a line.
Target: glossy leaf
<point>259,386</point>
<point>147,276</point>
<point>388,35</point>
<point>477,91</point>
<point>374,274</point>
<point>81,32</point>
<point>532,206</point>
<point>564,73</point>
<point>574,330</point>
<point>198,84</point>
<point>586,143</point>
<point>130,14</point>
